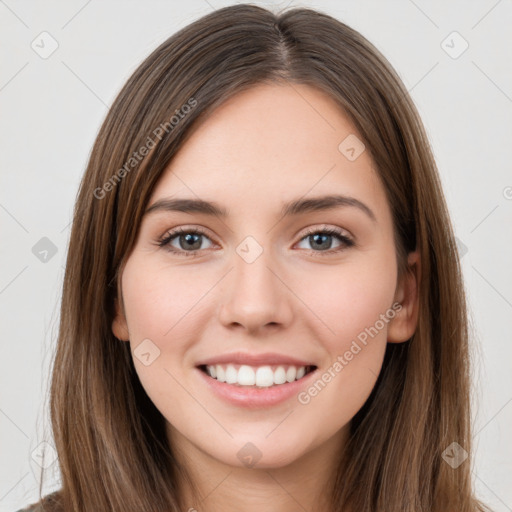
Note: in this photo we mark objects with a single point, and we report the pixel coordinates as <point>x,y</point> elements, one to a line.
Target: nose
<point>255,295</point>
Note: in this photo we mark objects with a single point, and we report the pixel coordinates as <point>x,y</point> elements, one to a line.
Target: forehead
<point>271,143</point>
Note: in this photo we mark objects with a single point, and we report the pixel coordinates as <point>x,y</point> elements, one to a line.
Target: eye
<point>322,239</point>
<point>188,240</point>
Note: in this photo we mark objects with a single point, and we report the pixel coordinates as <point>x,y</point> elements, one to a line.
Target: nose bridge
<point>252,273</point>
<point>255,295</point>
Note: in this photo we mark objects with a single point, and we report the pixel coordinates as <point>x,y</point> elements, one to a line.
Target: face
<point>261,287</point>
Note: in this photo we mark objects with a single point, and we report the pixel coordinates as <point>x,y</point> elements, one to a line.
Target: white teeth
<point>231,374</point>
<point>279,375</point>
<point>221,375</point>
<point>291,373</point>
<point>261,376</point>
<point>264,377</point>
<point>246,376</point>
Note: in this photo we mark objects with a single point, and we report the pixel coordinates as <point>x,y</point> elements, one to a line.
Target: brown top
<point>37,507</point>
<point>31,508</point>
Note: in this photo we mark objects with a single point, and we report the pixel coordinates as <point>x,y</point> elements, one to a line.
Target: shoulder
<point>47,503</point>
<point>35,507</point>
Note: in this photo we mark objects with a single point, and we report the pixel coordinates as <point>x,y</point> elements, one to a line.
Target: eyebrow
<point>295,207</point>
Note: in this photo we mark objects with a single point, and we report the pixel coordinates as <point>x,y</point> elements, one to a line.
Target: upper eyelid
<point>322,227</point>
<point>173,232</point>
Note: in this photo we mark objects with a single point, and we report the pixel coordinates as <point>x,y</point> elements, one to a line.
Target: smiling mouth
<point>264,376</point>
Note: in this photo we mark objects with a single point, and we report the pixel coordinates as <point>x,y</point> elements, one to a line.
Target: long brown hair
<point>110,438</point>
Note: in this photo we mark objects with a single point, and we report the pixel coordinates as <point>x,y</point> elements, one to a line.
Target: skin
<point>263,147</point>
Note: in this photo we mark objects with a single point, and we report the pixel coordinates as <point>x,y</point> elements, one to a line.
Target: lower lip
<point>253,397</point>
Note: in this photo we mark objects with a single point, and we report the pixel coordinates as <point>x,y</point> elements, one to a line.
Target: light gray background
<point>53,107</point>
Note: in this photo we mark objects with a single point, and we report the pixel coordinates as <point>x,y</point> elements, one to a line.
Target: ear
<point>403,325</point>
<point>119,325</point>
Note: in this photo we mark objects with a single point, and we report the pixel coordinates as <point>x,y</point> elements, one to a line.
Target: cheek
<point>158,299</point>
<point>349,299</point>
<point>355,304</point>
<point>161,306</point>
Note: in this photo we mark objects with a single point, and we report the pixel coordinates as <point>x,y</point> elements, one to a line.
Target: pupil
<point>190,242</point>
<point>315,237</point>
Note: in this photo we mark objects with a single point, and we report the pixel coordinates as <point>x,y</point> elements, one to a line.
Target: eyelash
<point>164,242</point>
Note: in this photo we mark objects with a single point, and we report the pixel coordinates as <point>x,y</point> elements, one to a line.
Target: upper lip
<point>254,359</point>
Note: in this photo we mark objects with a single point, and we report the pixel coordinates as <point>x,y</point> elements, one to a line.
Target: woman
<point>211,355</point>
